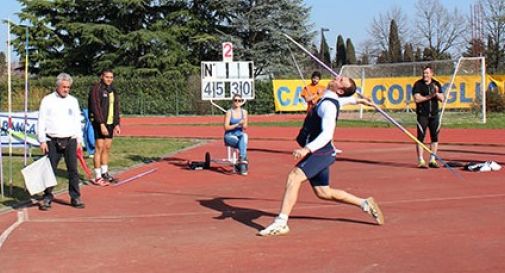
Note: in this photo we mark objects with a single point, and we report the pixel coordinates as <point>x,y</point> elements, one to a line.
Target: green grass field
<point>126,152</point>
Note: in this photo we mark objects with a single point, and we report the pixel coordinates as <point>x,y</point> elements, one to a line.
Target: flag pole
<point>26,98</point>
<point>9,101</point>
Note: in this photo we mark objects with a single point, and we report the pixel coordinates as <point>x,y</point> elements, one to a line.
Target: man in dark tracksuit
<point>103,104</point>
<point>427,93</point>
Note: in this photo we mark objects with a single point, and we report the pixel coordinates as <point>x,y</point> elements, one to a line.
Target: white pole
<point>9,101</point>
<point>483,89</point>
<point>1,145</point>
<point>26,98</point>
<point>362,91</point>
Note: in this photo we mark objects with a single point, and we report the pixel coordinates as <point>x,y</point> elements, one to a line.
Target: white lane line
<point>122,182</point>
<point>22,217</point>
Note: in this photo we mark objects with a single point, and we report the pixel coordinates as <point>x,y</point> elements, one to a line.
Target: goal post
<point>390,87</point>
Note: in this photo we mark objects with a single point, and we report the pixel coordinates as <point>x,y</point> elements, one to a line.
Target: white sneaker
<point>485,168</point>
<point>375,211</point>
<point>274,229</point>
<point>494,166</point>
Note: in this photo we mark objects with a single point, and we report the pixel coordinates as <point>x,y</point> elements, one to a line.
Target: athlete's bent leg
<point>327,193</point>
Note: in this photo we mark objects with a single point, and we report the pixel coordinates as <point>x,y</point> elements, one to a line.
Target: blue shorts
<point>316,166</point>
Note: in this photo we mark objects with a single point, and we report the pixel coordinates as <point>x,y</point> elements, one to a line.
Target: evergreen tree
<point>383,57</point>
<point>364,59</point>
<point>475,48</point>
<point>256,29</point>
<point>325,54</point>
<point>408,53</point>
<point>493,56</point>
<point>419,55</point>
<point>151,37</point>
<point>428,54</point>
<point>341,54</point>
<point>394,47</point>
<point>350,53</point>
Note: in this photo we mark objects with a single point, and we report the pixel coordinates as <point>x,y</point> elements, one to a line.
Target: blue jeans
<point>237,139</point>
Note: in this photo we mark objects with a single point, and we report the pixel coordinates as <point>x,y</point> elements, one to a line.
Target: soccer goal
<point>390,87</point>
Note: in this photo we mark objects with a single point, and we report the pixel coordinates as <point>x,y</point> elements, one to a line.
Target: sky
<point>349,18</point>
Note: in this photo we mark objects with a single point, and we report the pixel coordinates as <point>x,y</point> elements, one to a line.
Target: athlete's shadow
<point>247,216</point>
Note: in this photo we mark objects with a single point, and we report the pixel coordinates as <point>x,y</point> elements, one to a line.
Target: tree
<point>325,51</point>
<point>257,27</point>
<point>475,48</point>
<point>152,37</point>
<point>494,25</point>
<point>350,53</point>
<point>395,47</point>
<point>379,29</point>
<point>493,56</point>
<point>438,29</point>
<point>341,54</point>
<point>419,55</point>
<point>382,58</point>
<point>3,63</point>
<point>408,53</point>
<point>84,37</point>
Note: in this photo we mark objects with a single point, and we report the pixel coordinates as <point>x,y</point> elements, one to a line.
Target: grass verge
<point>126,152</point>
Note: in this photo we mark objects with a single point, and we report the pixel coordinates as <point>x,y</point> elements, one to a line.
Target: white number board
<point>222,80</point>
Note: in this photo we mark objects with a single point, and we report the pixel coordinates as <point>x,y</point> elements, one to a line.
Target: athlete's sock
<point>282,218</point>
<point>104,168</point>
<point>364,205</point>
<point>98,172</point>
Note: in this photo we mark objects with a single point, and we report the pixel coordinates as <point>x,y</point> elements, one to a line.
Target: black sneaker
<point>77,203</point>
<point>433,164</point>
<point>45,205</point>
<point>107,177</point>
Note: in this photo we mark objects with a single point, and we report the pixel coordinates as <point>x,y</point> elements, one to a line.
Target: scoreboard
<point>222,80</point>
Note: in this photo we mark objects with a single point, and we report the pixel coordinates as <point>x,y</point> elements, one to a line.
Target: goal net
<point>390,87</point>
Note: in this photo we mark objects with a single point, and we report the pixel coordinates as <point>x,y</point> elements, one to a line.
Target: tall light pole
<point>322,45</point>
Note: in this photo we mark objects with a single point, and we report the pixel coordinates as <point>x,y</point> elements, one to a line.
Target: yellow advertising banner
<point>392,93</point>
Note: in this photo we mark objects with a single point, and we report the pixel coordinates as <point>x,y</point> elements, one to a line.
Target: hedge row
<point>140,96</point>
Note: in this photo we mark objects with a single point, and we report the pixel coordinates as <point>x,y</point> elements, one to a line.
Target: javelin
<point>446,98</point>
<point>390,119</point>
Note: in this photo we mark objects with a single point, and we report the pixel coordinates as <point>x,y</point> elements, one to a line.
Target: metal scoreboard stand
<point>222,80</point>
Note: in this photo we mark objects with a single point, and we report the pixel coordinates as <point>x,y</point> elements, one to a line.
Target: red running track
<point>178,220</point>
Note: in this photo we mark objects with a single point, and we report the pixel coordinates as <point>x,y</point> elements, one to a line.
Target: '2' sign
<point>227,52</point>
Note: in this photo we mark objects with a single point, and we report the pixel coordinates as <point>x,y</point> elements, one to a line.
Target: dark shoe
<point>242,167</point>
<point>433,164</point>
<point>45,205</point>
<point>107,177</point>
<point>77,203</point>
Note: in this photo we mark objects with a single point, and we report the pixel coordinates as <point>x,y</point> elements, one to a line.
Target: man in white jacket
<point>60,135</point>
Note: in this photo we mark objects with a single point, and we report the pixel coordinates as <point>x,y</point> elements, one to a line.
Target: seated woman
<point>235,122</point>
